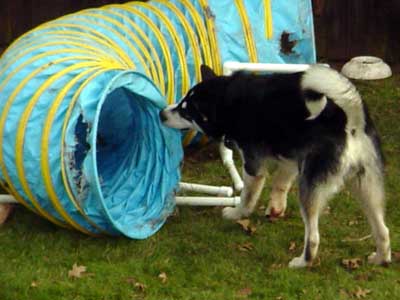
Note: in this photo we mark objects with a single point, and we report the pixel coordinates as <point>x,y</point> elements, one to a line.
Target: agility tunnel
<point>81,143</point>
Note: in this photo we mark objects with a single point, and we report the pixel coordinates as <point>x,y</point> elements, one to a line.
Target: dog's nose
<point>162,116</point>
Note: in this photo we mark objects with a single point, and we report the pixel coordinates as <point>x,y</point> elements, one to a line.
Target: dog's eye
<point>205,119</point>
<point>191,93</point>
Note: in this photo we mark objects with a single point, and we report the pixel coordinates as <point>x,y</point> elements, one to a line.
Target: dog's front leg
<point>253,186</point>
<point>282,181</point>
<point>253,179</point>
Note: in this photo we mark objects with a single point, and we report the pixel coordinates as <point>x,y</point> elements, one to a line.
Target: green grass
<point>199,252</point>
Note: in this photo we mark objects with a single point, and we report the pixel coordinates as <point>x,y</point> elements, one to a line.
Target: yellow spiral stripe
<point>154,55</point>
<point>190,34</point>
<point>248,35</point>
<point>177,43</point>
<point>212,36</point>
<point>201,30</point>
<point>269,30</point>
<point>161,39</point>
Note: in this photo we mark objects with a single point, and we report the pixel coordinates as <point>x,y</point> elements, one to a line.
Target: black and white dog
<point>313,123</point>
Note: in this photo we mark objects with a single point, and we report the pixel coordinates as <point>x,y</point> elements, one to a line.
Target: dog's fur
<point>313,123</point>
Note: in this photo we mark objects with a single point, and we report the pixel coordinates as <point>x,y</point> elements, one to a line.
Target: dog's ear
<point>207,73</point>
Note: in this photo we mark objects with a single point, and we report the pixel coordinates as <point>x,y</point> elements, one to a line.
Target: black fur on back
<point>266,114</point>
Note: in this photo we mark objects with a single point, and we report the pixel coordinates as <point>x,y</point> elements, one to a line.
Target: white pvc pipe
<point>227,160</point>
<point>226,191</point>
<point>233,66</point>
<point>5,199</point>
<point>208,201</point>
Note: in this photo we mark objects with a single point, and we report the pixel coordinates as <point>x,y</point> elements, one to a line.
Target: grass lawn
<point>197,255</point>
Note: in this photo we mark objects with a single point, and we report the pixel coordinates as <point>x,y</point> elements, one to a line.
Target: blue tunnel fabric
<point>81,141</point>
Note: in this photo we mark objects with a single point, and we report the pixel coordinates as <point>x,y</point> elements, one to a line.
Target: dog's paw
<point>376,259</point>
<point>232,213</point>
<point>274,213</point>
<point>298,262</point>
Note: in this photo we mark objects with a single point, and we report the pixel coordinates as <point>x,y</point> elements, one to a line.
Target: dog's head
<point>198,109</point>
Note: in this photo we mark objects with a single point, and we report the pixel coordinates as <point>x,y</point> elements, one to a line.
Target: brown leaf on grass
<point>292,246</point>
<point>245,223</point>
<point>353,222</point>
<point>245,247</point>
<point>327,210</point>
<point>140,286</point>
<point>352,263</point>
<point>343,294</point>
<point>276,266</point>
<point>261,210</point>
<point>362,277</point>
<point>245,292</point>
<point>396,256</point>
<point>34,284</point>
<point>360,293</point>
<point>77,271</point>
<point>5,211</point>
<point>163,277</point>
<point>247,226</point>
<point>131,280</point>
<point>316,262</point>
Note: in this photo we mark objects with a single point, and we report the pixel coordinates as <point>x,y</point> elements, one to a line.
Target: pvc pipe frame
<point>208,201</point>
<point>7,199</point>
<point>234,66</point>
<point>225,191</point>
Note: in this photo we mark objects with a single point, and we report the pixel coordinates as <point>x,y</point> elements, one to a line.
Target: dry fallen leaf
<point>343,294</point>
<point>246,226</point>
<point>163,276</point>
<point>77,271</point>
<point>140,286</point>
<point>354,222</point>
<point>246,247</point>
<point>327,210</point>
<point>360,293</point>
<point>131,280</point>
<point>362,277</point>
<point>5,211</point>
<point>292,246</point>
<point>276,266</point>
<point>396,256</point>
<point>352,263</point>
<point>245,223</point>
<point>34,284</point>
<point>244,292</point>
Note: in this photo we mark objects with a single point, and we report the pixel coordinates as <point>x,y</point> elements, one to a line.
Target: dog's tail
<point>319,83</point>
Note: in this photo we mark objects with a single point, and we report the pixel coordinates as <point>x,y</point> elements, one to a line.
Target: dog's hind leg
<point>252,189</point>
<point>313,197</point>
<point>369,188</point>
<point>282,181</point>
